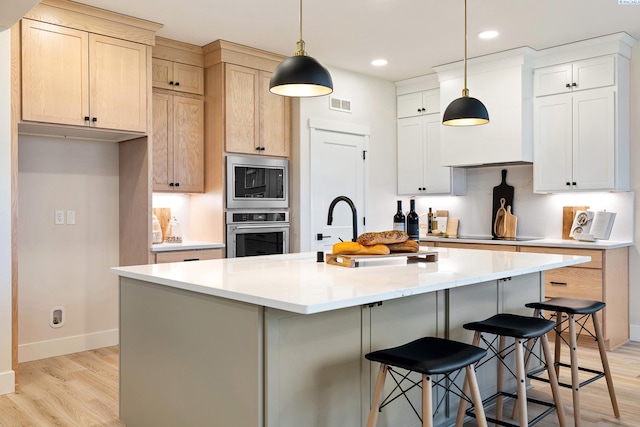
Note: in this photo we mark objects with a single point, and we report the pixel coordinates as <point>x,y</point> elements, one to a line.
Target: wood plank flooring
<point>81,389</point>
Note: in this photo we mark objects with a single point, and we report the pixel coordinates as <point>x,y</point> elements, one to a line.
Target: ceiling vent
<point>339,104</point>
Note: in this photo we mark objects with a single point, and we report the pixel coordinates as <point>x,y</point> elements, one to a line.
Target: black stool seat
<point>512,325</point>
<point>429,356</point>
<point>568,305</point>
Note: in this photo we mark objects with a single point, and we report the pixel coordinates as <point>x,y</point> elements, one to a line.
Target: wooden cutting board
<point>164,216</point>
<point>510,224</point>
<point>501,191</point>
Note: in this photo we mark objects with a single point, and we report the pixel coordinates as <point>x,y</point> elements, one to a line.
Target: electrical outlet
<point>59,217</point>
<point>71,217</point>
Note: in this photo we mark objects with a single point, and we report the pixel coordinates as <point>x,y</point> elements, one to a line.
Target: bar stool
<point>565,311</point>
<point>522,329</point>
<point>428,356</point>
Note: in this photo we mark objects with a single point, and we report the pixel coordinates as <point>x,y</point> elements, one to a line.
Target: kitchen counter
<point>559,243</point>
<point>187,245</point>
<point>297,283</point>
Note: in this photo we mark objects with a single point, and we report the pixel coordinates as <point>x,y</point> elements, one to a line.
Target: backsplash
<point>539,215</point>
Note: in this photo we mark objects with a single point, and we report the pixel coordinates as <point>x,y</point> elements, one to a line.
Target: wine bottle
<point>430,222</point>
<point>398,219</point>
<point>413,228</point>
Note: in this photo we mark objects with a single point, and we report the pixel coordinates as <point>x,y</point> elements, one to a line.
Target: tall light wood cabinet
<point>178,142</point>
<point>73,77</point>
<point>257,121</point>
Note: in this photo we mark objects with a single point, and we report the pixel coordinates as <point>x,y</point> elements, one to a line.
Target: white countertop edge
<point>188,245</point>
<point>559,243</point>
<point>347,302</point>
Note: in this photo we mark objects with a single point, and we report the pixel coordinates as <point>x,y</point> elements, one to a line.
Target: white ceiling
<point>414,35</point>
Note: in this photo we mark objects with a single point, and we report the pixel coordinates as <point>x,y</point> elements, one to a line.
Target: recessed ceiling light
<point>379,62</point>
<point>489,34</point>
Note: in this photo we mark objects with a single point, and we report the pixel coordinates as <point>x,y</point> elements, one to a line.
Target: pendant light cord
<point>465,91</point>
<point>300,51</point>
<point>300,20</point>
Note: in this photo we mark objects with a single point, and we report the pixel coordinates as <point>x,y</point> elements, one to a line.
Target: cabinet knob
<point>95,119</point>
<point>574,183</point>
<point>177,184</point>
<point>568,85</point>
<point>574,84</point>
<point>171,83</point>
<point>171,184</point>
<point>177,84</point>
<point>86,118</point>
<point>567,183</point>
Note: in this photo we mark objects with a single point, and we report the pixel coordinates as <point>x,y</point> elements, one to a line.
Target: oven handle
<point>247,227</point>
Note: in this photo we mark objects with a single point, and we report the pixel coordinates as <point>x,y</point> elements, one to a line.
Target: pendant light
<point>300,75</point>
<point>465,111</point>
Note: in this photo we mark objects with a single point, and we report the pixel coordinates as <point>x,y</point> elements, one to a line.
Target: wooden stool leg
<point>558,343</point>
<point>462,407</point>
<point>500,378</point>
<point>605,364</point>
<point>522,386</point>
<point>553,380</point>
<point>575,379</point>
<point>375,405</point>
<point>470,378</point>
<point>427,402</point>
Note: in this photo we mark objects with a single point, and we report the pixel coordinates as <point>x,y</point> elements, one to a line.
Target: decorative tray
<point>353,261</point>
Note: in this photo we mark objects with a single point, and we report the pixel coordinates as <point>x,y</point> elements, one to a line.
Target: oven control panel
<point>260,217</point>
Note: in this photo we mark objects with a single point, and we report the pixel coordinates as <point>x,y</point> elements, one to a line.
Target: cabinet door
<point>274,120</point>
<point>594,139</point>
<point>162,149</point>
<point>55,74</point>
<point>409,105</point>
<point>118,72</point>
<point>553,162</point>
<point>410,156</point>
<point>552,80</point>
<point>241,109</point>
<point>188,143</point>
<point>594,73</point>
<point>188,78</point>
<point>437,178</point>
<point>162,73</point>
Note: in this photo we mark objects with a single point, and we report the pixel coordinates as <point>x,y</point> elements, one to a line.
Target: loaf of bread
<point>408,246</point>
<point>355,248</point>
<point>382,237</point>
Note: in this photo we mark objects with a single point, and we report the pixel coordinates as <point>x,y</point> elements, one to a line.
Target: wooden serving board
<point>353,261</point>
<point>502,191</point>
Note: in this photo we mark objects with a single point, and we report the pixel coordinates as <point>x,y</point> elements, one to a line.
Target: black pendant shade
<point>301,76</point>
<point>465,111</point>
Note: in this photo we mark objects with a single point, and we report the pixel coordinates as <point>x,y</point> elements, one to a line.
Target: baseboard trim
<point>7,382</point>
<point>634,333</point>
<point>44,349</point>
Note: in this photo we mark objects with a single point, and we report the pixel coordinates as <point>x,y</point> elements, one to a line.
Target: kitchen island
<point>279,340</point>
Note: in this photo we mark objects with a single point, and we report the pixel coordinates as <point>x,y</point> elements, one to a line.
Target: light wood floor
<point>82,390</point>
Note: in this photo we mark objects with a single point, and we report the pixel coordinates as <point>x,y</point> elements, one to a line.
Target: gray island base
<point>279,341</point>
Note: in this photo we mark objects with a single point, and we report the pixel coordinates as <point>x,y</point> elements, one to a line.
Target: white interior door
<point>337,168</point>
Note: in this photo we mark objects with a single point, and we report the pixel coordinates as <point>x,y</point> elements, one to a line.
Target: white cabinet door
<point>552,80</point>
<point>594,140</point>
<point>575,142</point>
<point>553,152</point>
<point>418,103</point>
<point>410,156</point>
<point>581,75</point>
<point>437,178</point>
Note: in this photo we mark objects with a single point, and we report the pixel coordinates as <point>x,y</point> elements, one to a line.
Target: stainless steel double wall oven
<point>257,206</point>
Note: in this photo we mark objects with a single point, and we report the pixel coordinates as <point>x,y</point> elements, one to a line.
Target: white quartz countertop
<point>187,245</point>
<point>297,283</point>
<point>558,243</point>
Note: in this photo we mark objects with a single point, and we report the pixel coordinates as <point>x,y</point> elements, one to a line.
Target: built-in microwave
<point>257,182</point>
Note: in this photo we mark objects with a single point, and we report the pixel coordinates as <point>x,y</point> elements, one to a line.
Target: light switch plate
<point>71,217</point>
<point>59,217</point>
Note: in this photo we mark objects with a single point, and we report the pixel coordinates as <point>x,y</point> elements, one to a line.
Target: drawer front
<point>179,256</point>
<point>572,282</point>
<point>595,254</point>
<point>486,247</point>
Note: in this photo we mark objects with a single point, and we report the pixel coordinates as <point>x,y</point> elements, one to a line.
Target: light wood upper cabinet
<point>257,121</point>
<point>177,76</point>
<point>73,77</point>
<point>178,143</point>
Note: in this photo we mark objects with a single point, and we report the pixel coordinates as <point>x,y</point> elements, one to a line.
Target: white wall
<point>634,252</point>
<point>7,376</point>
<point>373,104</point>
<point>67,265</point>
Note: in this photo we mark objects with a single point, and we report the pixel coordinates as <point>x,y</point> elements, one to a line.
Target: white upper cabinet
<point>503,82</point>
<point>580,75</point>
<point>581,118</point>
<point>418,103</point>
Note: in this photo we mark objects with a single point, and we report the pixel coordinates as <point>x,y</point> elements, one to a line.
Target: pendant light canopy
<point>300,75</point>
<point>465,111</point>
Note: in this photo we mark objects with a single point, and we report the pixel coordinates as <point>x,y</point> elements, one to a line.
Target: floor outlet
<point>56,319</point>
